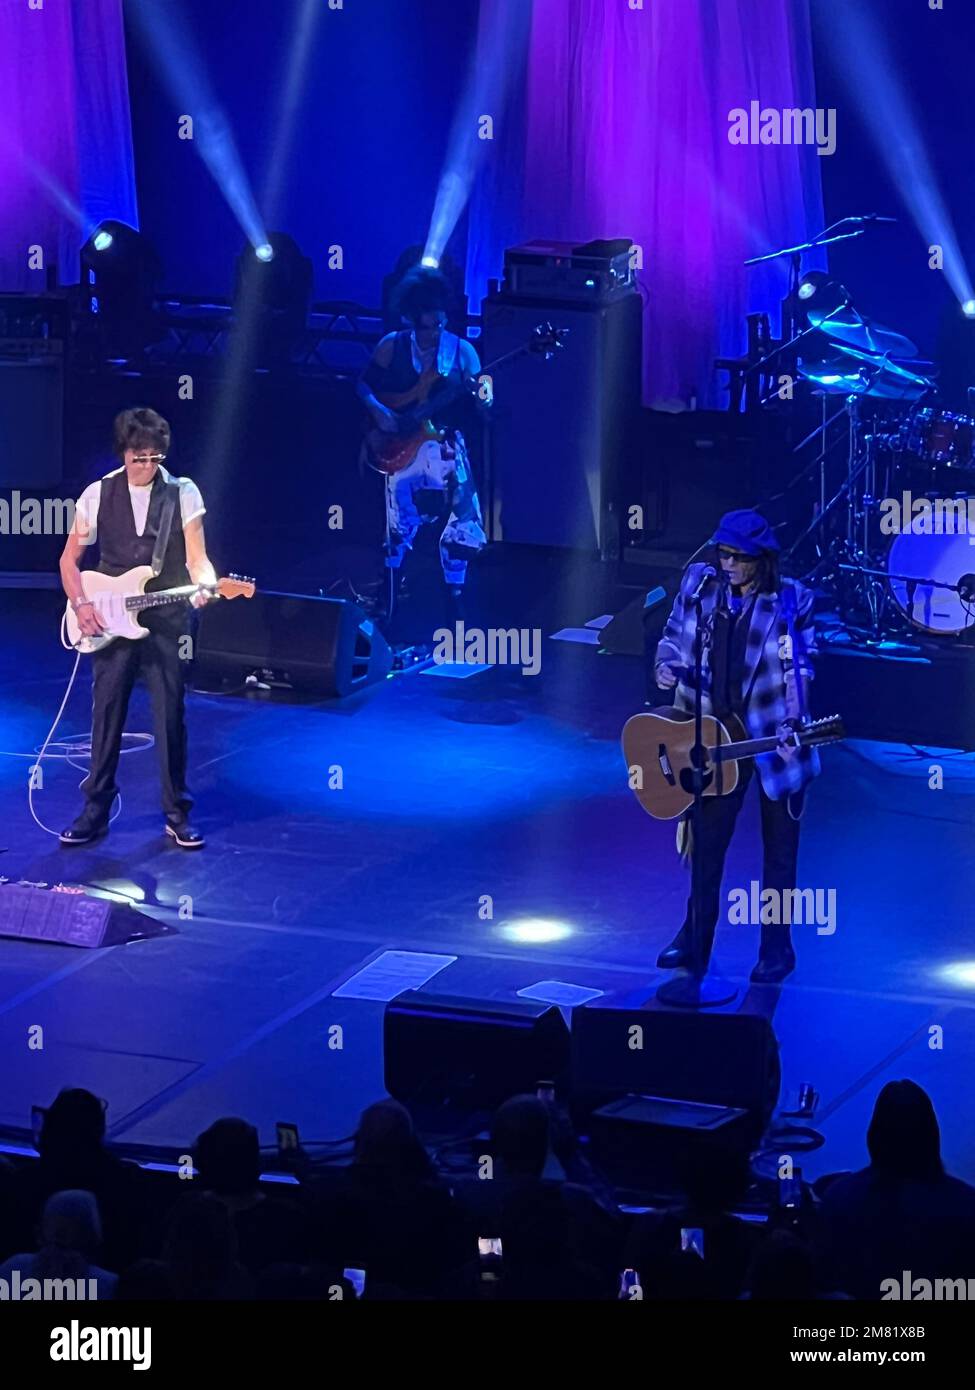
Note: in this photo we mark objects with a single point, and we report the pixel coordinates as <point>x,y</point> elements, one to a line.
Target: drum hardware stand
<point>965,588</point>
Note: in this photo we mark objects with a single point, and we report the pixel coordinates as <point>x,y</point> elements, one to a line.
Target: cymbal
<point>850,326</point>
<point>850,372</point>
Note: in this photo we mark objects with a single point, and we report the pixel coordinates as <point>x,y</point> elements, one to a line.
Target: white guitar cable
<point>76,745</point>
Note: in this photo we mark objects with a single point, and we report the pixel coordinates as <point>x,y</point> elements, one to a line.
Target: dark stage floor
<point>498,784</point>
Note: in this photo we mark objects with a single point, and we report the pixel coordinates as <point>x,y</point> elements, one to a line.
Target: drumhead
<point>945,558</point>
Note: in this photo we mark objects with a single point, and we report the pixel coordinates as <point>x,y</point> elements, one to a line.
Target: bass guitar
<point>391,453</point>
<point>659,750</point>
<point>119,601</point>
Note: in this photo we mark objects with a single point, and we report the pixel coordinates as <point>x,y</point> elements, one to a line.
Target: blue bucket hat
<point>747,531</point>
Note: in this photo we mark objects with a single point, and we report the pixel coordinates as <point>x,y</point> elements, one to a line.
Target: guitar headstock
<point>236,586</point>
<point>547,340</point>
<point>828,730</point>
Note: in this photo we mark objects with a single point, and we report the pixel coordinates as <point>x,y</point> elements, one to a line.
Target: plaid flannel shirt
<point>771,657</point>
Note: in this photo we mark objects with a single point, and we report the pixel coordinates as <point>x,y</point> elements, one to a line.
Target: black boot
<point>776,958</point>
<point>676,956</point>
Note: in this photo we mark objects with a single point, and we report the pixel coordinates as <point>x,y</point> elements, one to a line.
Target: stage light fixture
<point>120,274</point>
<point>431,262</point>
<point>272,292</point>
<point>811,283</point>
<point>968,308</point>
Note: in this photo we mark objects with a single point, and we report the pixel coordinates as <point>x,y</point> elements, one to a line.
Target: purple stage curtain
<point>622,130</point>
<point>65,135</point>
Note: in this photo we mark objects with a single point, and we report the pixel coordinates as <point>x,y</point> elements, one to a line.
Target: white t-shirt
<point>86,508</point>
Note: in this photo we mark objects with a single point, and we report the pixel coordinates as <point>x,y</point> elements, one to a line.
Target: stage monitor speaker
<point>443,1052</point>
<point>70,917</point>
<point>561,428</point>
<point>321,646</point>
<point>729,1060</point>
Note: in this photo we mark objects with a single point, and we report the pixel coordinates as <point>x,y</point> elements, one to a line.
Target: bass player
<point>438,476</point>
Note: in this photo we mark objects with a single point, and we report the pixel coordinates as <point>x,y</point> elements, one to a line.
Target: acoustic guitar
<point>391,453</point>
<point>658,747</point>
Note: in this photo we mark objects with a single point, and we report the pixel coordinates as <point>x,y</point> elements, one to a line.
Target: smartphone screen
<point>629,1280</point>
<point>287,1138</point>
<point>692,1238</point>
<point>488,1245</point>
<point>357,1278</point>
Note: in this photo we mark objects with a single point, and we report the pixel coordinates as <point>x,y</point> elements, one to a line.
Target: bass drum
<point>927,605</point>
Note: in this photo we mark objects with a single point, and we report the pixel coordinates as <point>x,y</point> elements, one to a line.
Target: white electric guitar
<point>119,601</point>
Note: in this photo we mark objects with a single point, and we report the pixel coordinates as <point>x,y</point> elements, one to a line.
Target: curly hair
<point>141,428</point>
<point>422,290</point>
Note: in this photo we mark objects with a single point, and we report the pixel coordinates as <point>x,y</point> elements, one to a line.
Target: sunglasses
<point>736,555</point>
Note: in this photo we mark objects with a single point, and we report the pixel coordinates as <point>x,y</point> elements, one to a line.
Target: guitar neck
<point>748,748</point>
<point>137,602</point>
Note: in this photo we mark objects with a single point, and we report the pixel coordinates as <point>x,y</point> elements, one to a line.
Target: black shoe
<point>184,835</point>
<point>772,970</point>
<point>84,831</point>
<point>676,956</point>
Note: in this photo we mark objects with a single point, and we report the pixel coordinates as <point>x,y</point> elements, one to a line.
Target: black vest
<point>120,548</point>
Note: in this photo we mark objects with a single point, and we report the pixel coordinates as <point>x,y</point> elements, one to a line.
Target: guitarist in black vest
<point>438,478</point>
<point>138,515</point>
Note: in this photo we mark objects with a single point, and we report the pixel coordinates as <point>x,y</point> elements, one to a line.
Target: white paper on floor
<point>391,973</point>
<point>454,670</point>
<point>559,992</point>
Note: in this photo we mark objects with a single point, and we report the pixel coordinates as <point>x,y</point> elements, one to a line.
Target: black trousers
<point>114,670</point>
<point>780,851</point>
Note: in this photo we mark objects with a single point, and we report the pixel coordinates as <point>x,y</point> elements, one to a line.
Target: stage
<point>497,784</point>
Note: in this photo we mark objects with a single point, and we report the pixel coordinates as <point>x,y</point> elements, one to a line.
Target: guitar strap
<point>165,526</point>
<point>795,801</point>
<point>798,647</point>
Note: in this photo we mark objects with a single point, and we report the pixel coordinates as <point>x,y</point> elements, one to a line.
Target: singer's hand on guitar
<point>89,621</point>
<point>201,598</point>
<point>665,676</point>
<point>788,741</point>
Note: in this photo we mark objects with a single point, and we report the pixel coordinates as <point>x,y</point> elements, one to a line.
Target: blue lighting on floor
<point>531,931</point>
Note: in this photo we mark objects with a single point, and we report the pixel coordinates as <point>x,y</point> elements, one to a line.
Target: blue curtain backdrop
<point>65,135</point>
<point>621,129</point>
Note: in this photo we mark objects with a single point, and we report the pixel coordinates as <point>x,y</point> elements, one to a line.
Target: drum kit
<point>902,455</point>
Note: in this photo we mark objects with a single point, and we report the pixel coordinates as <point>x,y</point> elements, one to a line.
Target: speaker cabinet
<point>725,1060</point>
<point>443,1051</point>
<point>321,646</point>
<point>560,428</point>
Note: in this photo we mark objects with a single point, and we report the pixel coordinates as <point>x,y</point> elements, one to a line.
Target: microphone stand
<point>695,989</point>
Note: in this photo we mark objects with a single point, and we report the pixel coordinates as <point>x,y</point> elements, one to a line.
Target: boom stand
<point>695,988</point>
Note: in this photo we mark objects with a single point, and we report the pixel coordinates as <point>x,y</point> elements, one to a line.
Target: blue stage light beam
<point>290,91</point>
<point>500,54</point>
<point>167,33</point>
<point>881,97</point>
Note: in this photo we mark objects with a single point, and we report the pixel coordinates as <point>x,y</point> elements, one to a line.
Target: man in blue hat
<point>759,641</point>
